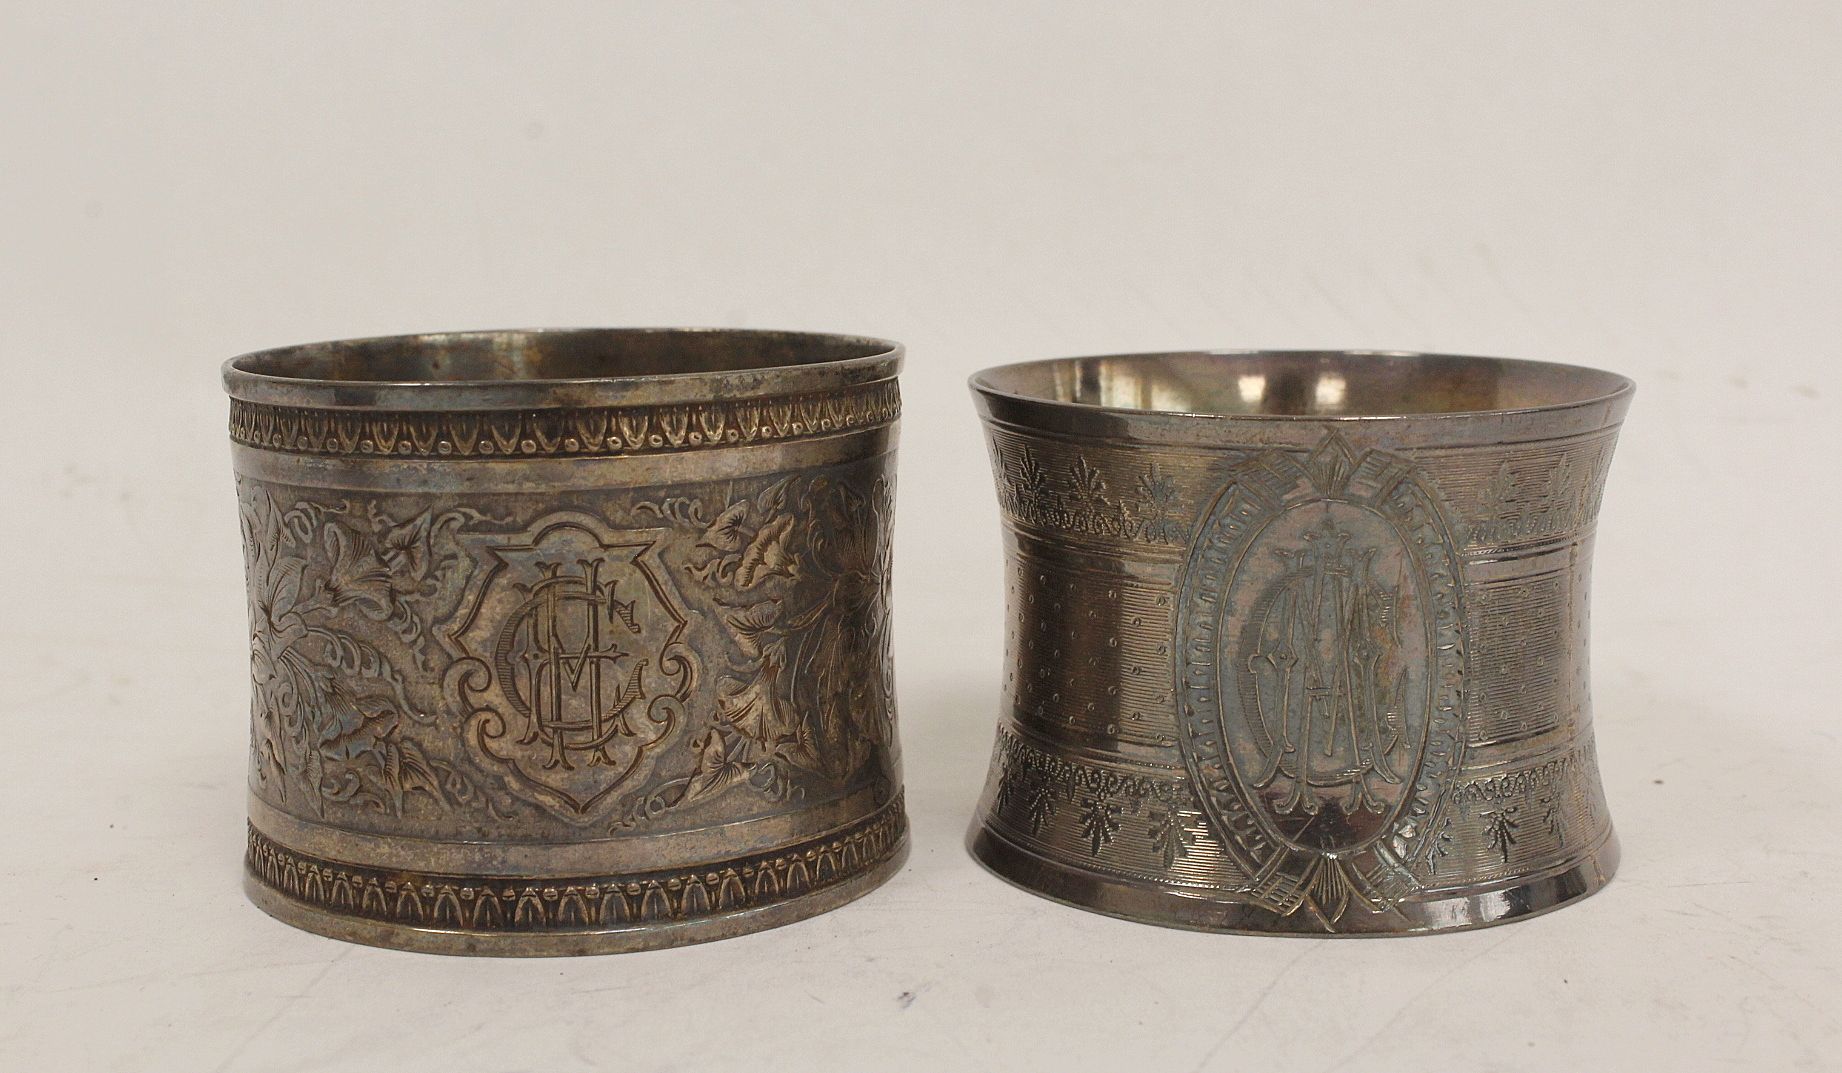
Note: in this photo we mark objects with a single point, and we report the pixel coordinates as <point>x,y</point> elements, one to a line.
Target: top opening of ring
<point>581,354</point>
<point>1311,384</point>
<point>557,367</point>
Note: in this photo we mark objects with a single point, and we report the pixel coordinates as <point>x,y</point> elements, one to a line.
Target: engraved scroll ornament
<point>465,670</point>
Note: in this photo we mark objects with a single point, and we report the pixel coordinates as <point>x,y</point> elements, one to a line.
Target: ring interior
<point>575,354</point>
<point>1303,383</point>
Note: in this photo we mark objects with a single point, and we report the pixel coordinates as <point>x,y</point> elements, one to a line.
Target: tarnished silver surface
<point>1298,639</point>
<point>568,642</point>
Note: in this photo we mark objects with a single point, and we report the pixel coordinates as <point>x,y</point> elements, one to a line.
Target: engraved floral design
<point>1540,497</point>
<point>1551,818</point>
<point>797,575</point>
<point>1025,793</point>
<point>1077,499</point>
<point>1086,482</point>
<point>1099,819</point>
<point>1171,837</point>
<point>1500,828</point>
<point>330,588</point>
<point>1032,786</point>
<point>1157,507</point>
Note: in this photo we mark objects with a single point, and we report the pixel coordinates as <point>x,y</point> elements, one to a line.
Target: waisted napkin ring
<point>1298,639</point>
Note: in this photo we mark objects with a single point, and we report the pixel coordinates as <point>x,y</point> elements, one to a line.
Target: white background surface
<point>1645,186</point>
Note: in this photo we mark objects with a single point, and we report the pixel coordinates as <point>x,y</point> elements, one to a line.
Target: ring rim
<point>879,360</point>
<point>987,383</point>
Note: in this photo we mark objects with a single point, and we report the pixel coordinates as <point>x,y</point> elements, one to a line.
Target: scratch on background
<point>1254,1007</point>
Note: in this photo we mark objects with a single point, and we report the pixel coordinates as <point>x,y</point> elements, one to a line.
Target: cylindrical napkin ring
<point>568,642</point>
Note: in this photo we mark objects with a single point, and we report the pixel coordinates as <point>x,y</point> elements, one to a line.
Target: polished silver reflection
<point>1298,639</point>
<point>568,642</point>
